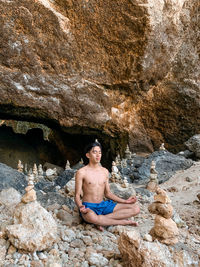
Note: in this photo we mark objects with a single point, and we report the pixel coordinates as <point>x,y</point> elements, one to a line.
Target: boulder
<point>193,144</point>
<point>34,229</point>
<point>65,177</point>
<point>121,191</point>
<point>186,153</point>
<point>45,186</point>
<point>10,177</point>
<point>48,165</point>
<point>139,253</point>
<point>166,165</point>
<point>50,198</point>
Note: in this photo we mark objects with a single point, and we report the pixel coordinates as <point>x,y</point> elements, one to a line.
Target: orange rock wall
<point>120,67</point>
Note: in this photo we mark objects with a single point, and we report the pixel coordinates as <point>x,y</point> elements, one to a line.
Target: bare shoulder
<point>105,171</point>
<point>81,172</point>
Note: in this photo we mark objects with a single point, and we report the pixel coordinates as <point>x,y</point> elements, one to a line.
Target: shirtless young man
<point>92,182</point>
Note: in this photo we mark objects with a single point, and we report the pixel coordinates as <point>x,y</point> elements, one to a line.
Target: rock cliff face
<point>123,69</point>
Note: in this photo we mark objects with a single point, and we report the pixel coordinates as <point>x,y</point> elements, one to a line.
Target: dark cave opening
<point>61,146</point>
<point>29,148</point>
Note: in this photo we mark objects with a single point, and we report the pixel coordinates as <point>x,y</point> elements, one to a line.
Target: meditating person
<point>92,183</point>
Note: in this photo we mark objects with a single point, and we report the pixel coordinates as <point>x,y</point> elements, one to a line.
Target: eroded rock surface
<point>34,229</point>
<point>139,253</point>
<point>10,177</point>
<point>122,68</point>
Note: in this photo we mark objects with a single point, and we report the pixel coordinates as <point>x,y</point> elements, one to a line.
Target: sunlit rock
<point>34,229</point>
<point>139,253</point>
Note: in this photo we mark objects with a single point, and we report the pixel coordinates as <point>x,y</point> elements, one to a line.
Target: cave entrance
<point>30,148</point>
<point>34,147</point>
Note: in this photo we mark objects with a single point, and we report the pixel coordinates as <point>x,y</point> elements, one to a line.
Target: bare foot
<point>134,223</point>
<point>100,228</point>
<point>129,222</point>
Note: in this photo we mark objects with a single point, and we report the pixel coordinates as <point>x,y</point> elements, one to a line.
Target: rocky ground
<point>80,244</point>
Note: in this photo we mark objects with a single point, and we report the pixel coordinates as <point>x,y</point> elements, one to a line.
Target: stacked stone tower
<point>165,229</point>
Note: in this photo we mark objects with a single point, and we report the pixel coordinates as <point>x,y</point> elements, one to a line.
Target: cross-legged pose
<point>92,184</point>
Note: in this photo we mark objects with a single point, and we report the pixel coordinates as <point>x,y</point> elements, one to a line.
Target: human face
<point>94,155</point>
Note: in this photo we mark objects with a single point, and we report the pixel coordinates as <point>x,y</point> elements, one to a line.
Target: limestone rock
<point>123,192</point>
<point>166,230</point>
<point>97,259</point>
<point>10,177</point>
<point>29,196</point>
<point>34,229</point>
<point>152,186</point>
<point>148,237</point>
<point>3,250</point>
<point>193,144</point>
<point>48,165</point>
<point>165,210</point>
<point>65,217</point>
<point>29,188</point>
<point>179,222</point>
<point>148,254</point>
<point>51,173</point>
<point>11,250</point>
<point>125,67</point>
<point>10,197</point>
<point>161,196</point>
<point>70,187</point>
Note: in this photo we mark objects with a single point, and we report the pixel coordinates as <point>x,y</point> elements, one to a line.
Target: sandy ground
<point>182,189</point>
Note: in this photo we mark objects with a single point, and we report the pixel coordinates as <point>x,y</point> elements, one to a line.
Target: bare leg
<point>103,220</point>
<point>124,211</point>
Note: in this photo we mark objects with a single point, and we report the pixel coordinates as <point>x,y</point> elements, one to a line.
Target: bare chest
<point>97,180</point>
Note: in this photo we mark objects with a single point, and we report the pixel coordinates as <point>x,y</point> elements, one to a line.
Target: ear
<point>87,155</point>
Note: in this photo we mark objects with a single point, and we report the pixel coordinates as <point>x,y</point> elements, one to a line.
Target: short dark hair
<point>91,145</point>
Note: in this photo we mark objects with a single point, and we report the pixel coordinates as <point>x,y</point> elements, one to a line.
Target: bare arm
<point>78,188</point>
<point>110,195</point>
<point>115,198</point>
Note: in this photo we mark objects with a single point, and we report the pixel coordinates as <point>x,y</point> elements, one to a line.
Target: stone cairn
<point>35,172</point>
<point>20,166</point>
<point>30,194</point>
<point>115,174</point>
<point>125,183</point>
<point>153,182</point>
<point>162,147</point>
<point>117,178</point>
<point>25,169</point>
<point>118,160</point>
<point>67,166</point>
<point>128,153</point>
<point>40,171</point>
<point>165,229</point>
<point>124,163</point>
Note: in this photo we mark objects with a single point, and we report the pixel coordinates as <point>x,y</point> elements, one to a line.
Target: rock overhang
<point>100,66</point>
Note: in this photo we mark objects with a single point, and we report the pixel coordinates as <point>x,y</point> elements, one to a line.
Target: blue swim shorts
<point>102,208</point>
